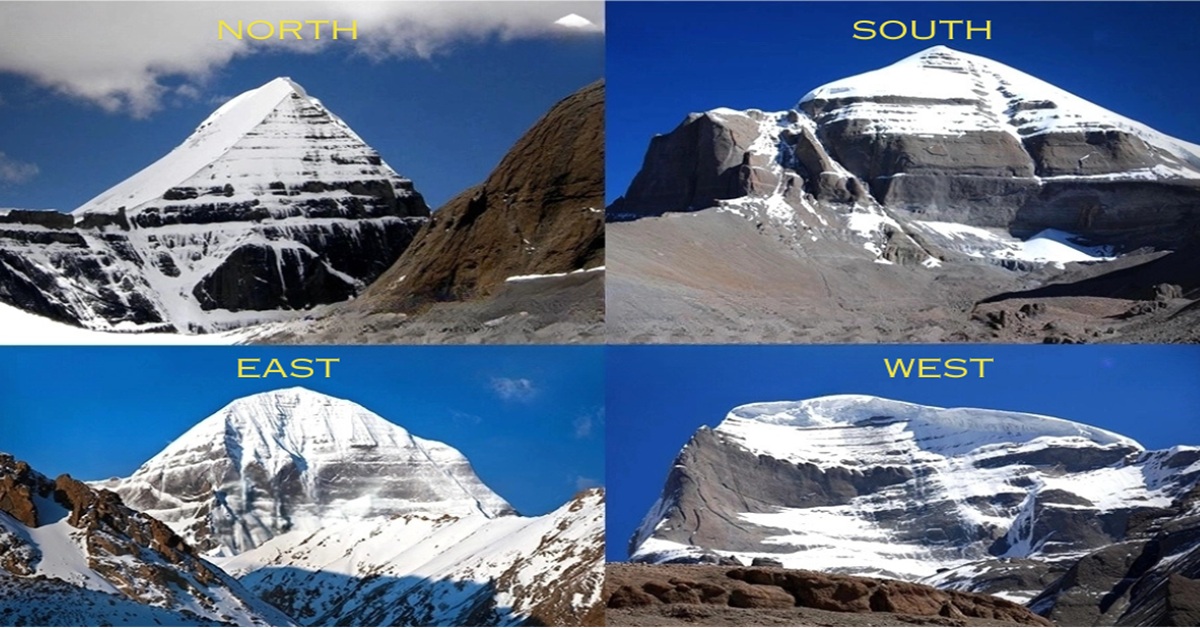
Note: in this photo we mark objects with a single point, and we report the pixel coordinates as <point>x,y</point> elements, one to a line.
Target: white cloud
<point>586,424</point>
<point>14,171</point>
<point>465,418</point>
<point>128,56</point>
<point>514,389</point>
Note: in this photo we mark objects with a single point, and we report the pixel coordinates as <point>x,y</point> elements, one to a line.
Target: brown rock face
<point>139,557</point>
<point>113,528</point>
<point>539,212</point>
<point>692,167</point>
<point>16,490</point>
<point>631,585</point>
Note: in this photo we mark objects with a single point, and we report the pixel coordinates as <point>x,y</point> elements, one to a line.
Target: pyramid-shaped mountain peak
<point>270,144</point>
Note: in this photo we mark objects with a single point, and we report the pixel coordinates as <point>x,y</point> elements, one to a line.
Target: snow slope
<point>958,92</point>
<point>257,138</point>
<point>18,327</point>
<point>1049,246</point>
<point>428,569</point>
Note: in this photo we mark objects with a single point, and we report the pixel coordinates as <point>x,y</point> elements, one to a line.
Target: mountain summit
<point>295,459</point>
<point>941,91</point>
<point>275,144</point>
<point>272,205</point>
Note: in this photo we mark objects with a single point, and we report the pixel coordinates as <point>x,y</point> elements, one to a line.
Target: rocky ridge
<point>765,596</point>
<point>84,549</point>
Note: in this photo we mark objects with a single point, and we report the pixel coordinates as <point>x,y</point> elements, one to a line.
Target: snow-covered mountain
<point>973,499</point>
<point>71,555</point>
<point>294,460</point>
<point>956,176</point>
<point>941,152</point>
<point>335,515</point>
<point>273,204</point>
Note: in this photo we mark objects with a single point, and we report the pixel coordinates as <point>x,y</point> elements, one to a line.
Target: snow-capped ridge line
<point>860,410</point>
<point>943,73</point>
<point>212,139</point>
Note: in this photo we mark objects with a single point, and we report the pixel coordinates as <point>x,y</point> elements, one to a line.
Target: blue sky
<point>668,59</point>
<point>657,397</point>
<point>443,121</point>
<point>530,419</point>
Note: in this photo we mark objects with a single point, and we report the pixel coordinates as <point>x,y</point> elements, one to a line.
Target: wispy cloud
<point>14,171</point>
<point>465,418</point>
<point>131,57</point>
<point>584,483</point>
<point>514,389</point>
<point>589,423</point>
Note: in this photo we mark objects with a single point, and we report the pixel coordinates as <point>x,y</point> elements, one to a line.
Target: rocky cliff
<point>940,136</point>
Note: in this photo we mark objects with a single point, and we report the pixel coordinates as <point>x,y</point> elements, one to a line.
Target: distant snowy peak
<point>760,425</point>
<point>295,459</point>
<point>259,143</point>
<point>941,91</point>
<point>438,571</point>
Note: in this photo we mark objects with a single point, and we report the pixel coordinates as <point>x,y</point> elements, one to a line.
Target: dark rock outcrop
<point>538,212</point>
<point>1150,579</point>
<point>633,586</point>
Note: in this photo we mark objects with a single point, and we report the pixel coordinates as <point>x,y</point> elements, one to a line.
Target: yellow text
<point>300,368</point>
<point>263,29</point>
<point>896,29</point>
<point>935,368</point>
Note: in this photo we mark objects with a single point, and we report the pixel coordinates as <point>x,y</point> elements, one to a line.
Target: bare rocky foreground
<point>713,595</point>
<point>711,276</point>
